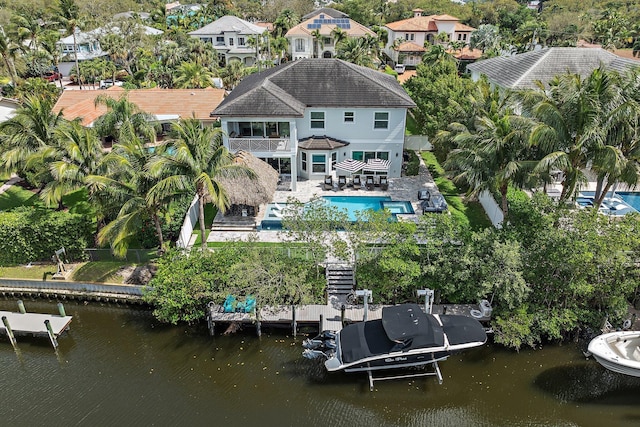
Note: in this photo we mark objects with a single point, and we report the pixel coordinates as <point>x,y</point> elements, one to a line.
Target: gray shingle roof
<point>288,89</point>
<point>321,143</point>
<point>522,70</point>
<point>327,11</point>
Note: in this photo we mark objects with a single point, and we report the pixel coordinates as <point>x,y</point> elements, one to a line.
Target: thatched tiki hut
<point>246,194</point>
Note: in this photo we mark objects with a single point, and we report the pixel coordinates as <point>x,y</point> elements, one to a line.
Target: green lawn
<point>17,196</point>
<point>96,271</point>
<point>468,212</point>
<point>209,214</point>
<point>99,271</point>
<point>35,272</point>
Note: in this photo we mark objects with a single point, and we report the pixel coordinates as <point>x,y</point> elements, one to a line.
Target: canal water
<point>118,366</point>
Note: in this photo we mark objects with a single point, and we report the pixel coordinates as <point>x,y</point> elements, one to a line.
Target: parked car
<point>107,83</point>
<point>51,76</point>
<point>399,68</point>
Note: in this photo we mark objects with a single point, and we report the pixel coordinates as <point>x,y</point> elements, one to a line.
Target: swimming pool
<point>617,204</point>
<point>353,205</point>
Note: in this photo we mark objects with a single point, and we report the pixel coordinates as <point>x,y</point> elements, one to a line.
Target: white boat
<point>618,351</point>
<point>405,337</point>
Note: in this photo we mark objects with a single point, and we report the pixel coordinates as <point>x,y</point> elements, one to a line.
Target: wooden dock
<point>324,316</point>
<point>34,323</point>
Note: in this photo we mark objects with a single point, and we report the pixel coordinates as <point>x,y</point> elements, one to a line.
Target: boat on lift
<point>618,351</point>
<point>405,337</point>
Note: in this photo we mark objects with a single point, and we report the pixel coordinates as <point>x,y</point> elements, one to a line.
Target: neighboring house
<point>229,36</point>
<point>407,38</point>
<point>88,45</point>
<point>521,71</point>
<point>167,105</point>
<point>304,116</point>
<point>8,107</point>
<point>303,44</point>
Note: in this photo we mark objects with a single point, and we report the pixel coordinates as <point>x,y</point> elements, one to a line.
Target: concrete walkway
<point>14,179</point>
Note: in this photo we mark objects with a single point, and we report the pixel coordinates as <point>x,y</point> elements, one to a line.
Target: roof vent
<point>417,12</point>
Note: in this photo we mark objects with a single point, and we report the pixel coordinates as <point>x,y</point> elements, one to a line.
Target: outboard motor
<point>313,354</point>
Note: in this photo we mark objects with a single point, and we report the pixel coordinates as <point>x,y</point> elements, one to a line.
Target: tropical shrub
<point>33,234</point>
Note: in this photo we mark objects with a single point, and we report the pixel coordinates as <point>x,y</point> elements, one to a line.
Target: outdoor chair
<point>424,195</point>
<point>328,182</point>
<point>342,182</point>
<point>357,183</point>
<point>384,183</point>
<point>369,183</point>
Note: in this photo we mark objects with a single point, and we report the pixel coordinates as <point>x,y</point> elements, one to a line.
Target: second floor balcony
<point>254,144</point>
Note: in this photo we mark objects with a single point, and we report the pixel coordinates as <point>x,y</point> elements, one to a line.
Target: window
<point>327,41</point>
<point>230,42</point>
<point>318,163</point>
<point>304,161</point>
<point>240,41</point>
<point>317,120</point>
<point>219,40</point>
<point>464,37</point>
<point>334,159</point>
<point>381,121</point>
<point>363,156</point>
<point>300,45</point>
<point>349,117</point>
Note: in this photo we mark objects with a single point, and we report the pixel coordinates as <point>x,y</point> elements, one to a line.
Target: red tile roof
<point>159,102</point>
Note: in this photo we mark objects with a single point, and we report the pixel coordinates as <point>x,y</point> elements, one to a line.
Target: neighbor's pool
<point>351,204</point>
<point>620,203</point>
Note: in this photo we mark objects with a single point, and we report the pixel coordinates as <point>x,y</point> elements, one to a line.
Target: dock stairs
<point>341,280</point>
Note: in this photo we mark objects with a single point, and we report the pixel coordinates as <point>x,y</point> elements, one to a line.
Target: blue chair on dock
<point>250,304</point>
<point>229,304</point>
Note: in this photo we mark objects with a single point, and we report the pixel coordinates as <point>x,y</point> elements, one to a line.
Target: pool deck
<point>402,189</point>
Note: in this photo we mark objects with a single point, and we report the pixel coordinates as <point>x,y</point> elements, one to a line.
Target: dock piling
<point>61,310</point>
<point>12,338</point>
<point>21,307</point>
<point>343,309</point>
<point>52,336</point>
<point>294,325</point>
<point>321,323</point>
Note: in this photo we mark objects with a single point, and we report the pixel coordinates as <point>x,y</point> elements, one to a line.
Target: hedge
<point>34,233</point>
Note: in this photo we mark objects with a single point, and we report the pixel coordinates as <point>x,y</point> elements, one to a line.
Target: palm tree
<point>68,14</point>
<point>8,49</point>
<point>127,184</point>
<point>284,22</point>
<point>48,43</point>
<point>485,38</point>
<point>570,131</point>
<point>123,120</point>
<point>191,75</point>
<point>338,35</point>
<point>76,156</point>
<point>493,155</point>
<point>232,73</point>
<point>28,28</point>
<point>199,160</point>
<point>30,130</point>
<point>356,51</point>
<point>317,43</point>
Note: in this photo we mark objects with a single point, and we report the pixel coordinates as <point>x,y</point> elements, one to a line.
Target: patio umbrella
<point>377,165</point>
<point>351,166</point>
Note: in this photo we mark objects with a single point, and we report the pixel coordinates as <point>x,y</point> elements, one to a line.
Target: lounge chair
<point>328,182</point>
<point>369,183</point>
<point>357,183</point>
<point>342,182</point>
<point>424,195</point>
<point>277,206</point>
<point>276,213</point>
<point>384,183</point>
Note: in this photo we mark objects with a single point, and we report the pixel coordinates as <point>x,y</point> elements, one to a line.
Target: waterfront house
<point>305,116</point>
<point>230,36</point>
<point>316,36</point>
<point>407,38</point>
<point>521,71</point>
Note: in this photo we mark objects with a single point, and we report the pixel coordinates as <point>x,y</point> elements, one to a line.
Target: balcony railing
<point>259,144</point>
